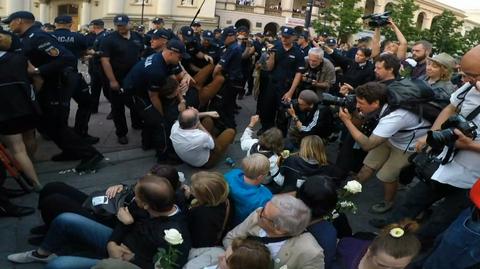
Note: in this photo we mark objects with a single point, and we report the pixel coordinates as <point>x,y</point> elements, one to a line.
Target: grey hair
<point>293,217</point>
<point>316,51</point>
<point>309,96</point>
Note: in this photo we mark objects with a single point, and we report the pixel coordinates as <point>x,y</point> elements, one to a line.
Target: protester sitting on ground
<point>269,144</point>
<point>246,190</point>
<point>320,195</point>
<point>209,210</point>
<point>280,225</point>
<point>18,115</point>
<point>134,240</point>
<point>394,247</point>
<point>310,160</point>
<point>438,75</point>
<point>57,198</point>
<point>193,141</point>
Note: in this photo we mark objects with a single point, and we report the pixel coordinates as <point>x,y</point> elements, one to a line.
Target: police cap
<point>64,19</point>
<point>19,15</point>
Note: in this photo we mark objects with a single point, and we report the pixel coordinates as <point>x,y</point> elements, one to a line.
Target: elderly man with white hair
<point>280,225</point>
<point>319,73</point>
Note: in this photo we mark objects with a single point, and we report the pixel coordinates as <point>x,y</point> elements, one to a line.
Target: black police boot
<point>89,163</point>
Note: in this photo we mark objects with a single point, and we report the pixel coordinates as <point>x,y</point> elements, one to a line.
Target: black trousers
<point>227,108</point>
<point>54,124</point>
<point>272,112</point>
<point>97,83</point>
<point>57,198</point>
<point>84,100</point>
<point>119,100</point>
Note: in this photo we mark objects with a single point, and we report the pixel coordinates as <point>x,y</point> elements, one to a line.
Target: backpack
<point>416,96</point>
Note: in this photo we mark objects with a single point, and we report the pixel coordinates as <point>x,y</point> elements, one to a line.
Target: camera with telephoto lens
<point>377,19</point>
<point>349,102</point>
<point>438,139</point>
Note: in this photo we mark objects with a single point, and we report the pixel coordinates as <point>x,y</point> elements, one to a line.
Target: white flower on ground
<point>353,187</point>
<point>173,237</point>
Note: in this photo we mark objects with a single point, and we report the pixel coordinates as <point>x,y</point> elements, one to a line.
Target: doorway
<point>70,10</point>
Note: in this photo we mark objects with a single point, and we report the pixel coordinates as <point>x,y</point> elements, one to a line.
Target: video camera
<point>445,137</point>
<point>377,19</point>
<point>349,102</point>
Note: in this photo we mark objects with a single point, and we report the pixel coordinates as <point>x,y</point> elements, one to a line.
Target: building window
<point>139,2</point>
<point>186,2</point>
<point>258,25</point>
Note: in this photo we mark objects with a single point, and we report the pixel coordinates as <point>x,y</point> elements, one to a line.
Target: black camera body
<point>287,104</point>
<point>446,136</point>
<point>349,102</point>
<point>377,19</point>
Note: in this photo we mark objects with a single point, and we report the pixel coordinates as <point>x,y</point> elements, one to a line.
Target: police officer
<point>158,24</point>
<point>97,78</point>
<point>77,44</point>
<point>49,59</point>
<point>155,96</point>
<point>284,61</point>
<point>121,50</point>
<point>158,41</point>
<point>218,37</point>
<point>303,43</point>
<point>230,66</point>
<point>209,46</point>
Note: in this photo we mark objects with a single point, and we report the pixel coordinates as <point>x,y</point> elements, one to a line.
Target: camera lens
<point>439,139</point>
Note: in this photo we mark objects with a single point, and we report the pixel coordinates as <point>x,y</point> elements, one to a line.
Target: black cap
<point>304,34</point>
<point>288,31</point>
<point>217,31</point>
<point>187,33</point>
<point>208,35</point>
<point>196,23</point>
<point>157,20</point>
<point>49,26</point>
<point>161,33</point>
<point>179,47</point>
<point>19,15</point>
<point>331,42</point>
<point>229,31</point>
<point>324,34</point>
<point>259,34</point>
<point>97,22</point>
<point>243,29</point>
<point>64,19</point>
<point>121,20</point>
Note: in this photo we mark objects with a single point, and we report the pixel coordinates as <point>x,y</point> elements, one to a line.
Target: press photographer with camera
<point>382,20</point>
<point>309,117</point>
<point>449,184</point>
<point>318,74</point>
<point>391,142</point>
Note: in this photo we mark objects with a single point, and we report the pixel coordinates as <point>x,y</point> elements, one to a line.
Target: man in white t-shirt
<point>192,139</point>
<point>451,182</point>
<point>391,143</point>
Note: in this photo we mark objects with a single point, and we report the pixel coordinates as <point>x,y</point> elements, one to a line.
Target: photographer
<point>391,142</point>
<point>319,73</point>
<point>400,49</point>
<point>451,181</point>
<point>309,117</point>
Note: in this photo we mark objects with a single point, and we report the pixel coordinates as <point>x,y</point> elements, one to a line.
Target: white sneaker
<point>28,257</point>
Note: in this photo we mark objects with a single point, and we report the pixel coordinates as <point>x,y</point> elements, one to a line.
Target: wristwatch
<point>295,118</point>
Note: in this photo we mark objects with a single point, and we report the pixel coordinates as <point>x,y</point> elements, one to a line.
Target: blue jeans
<point>457,247</point>
<point>69,227</point>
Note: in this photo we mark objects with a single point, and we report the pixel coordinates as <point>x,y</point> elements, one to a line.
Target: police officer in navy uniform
<point>76,44</point>
<point>285,60</point>
<point>303,43</point>
<point>230,66</point>
<point>155,97</point>
<point>49,61</point>
<point>121,50</point>
<point>157,25</point>
<point>158,41</point>
<point>209,46</point>
<point>98,80</point>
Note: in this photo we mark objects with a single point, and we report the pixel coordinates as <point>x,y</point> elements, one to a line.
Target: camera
<point>287,104</point>
<point>349,102</point>
<point>438,139</point>
<point>377,19</point>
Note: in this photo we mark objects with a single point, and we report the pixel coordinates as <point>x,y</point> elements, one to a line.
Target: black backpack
<point>416,96</point>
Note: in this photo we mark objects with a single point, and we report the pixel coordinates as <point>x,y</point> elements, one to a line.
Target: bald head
<point>156,192</point>
<point>188,119</point>
<point>470,67</point>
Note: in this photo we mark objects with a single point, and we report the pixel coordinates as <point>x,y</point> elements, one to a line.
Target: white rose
<point>173,237</point>
<point>353,186</point>
<point>284,267</point>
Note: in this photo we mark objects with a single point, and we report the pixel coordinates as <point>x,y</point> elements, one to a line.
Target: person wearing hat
<point>209,47</point>
<point>50,61</point>
<point>438,74</point>
<point>230,66</point>
<point>197,30</point>
<point>459,246</point>
<point>218,36</point>
<point>155,97</point>
<point>303,43</point>
<point>284,63</point>
<point>97,80</point>
<point>157,24</point>
<point>121,50</point>
<point>48,27</point>
<point>158,41</point>
<point>197,59</point>
<point>77,44</point>
<point>247,65</point>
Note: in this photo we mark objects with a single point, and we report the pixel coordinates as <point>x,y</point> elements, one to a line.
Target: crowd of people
<point>373,101</point>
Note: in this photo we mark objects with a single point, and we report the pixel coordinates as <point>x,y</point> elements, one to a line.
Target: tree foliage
<point>471,38</point>
<point>445,34</point>
<point>403,14</point>
<point>343,17</point>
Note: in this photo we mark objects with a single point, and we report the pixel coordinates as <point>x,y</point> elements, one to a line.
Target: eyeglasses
<point>262,216</point>
<point>470,76</point>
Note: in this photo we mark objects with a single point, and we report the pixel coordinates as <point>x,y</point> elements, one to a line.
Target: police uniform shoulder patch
<point>52,51</point>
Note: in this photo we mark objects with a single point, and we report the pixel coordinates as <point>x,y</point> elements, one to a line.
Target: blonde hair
<point>209,188</point>
<point>445,73</point>
<point>397,240</point>
<point>312,148</point>
<point>255,165</point>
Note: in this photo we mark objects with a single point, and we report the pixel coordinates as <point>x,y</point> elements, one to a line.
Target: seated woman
<point>310,160</point>
<point>209,211</point>
<point>57,198</point>
<point>269,143</point>
<point>133,239</point>
<point>394,247</point>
